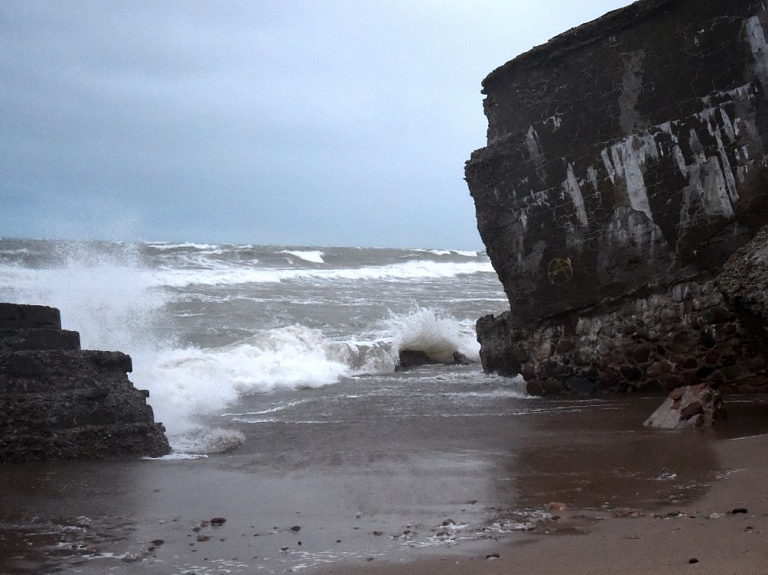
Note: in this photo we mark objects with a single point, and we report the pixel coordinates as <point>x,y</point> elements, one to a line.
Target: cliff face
<point>60,402</point>
<point>626,161</point>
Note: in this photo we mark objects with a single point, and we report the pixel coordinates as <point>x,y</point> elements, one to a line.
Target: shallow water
<point>373,476</point>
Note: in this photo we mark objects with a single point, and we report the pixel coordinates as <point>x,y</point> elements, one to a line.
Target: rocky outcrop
<point>626,162</point>
<point>60,402</point>
<point>698,406</point>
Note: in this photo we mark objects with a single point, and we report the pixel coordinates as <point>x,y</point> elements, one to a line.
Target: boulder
<point>689,406</point>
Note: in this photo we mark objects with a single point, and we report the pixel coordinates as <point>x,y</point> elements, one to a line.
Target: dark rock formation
<point>626,161</point>
<point>409,358</point>
<point>60,402</point>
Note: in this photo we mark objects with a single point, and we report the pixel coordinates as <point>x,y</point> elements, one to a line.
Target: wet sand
<point>418,494</point>
<point>725,532</point>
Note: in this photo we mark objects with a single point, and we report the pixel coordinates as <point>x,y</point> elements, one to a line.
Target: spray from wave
<point>118,302</point>
<point>433,333</point>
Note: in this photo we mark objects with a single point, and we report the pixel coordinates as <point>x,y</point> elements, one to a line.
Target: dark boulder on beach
<point>626,162</point>
<point>689,406</point>
<point>409,358</point>
<point>60,402</point>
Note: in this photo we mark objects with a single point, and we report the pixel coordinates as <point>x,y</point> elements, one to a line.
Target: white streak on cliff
<point>706,182</point>
<point>759,47</point>
<point>730,181</point>
<point>728,125</point>
<point>592,175</point>
<point>680,159</point>
<point>571,186</point>
<point>534,149</point>
<point>629,157</point>
<point>608,165</point>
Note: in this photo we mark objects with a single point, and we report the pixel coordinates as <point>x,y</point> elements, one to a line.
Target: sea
<point>275,372</point>
<point>231,336</point>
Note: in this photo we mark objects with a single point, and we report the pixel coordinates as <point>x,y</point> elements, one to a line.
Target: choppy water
<point>228,336</point>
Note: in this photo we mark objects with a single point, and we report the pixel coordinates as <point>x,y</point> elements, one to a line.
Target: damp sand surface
<point>560,486</point>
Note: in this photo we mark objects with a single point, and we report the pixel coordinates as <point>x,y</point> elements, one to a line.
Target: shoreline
<point>422,493</point>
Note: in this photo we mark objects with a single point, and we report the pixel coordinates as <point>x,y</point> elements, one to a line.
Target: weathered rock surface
<point>60,402</point>
<point>697,406</point>
<point>626,162</point>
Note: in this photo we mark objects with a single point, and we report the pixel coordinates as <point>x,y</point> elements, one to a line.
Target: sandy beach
<point>415,495</point>
<point>726,531</point>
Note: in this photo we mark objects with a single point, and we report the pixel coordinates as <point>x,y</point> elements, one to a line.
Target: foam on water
<point>406,271</point>
<point>118,302</point>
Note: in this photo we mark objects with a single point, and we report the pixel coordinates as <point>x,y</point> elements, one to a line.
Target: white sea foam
<point>465,253</point>
<point>435,334</point>
<point>313,256</point>
<point>405,271</point>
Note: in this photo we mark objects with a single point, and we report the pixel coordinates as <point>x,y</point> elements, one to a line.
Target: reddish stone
<point>641,353</point>
<point>677,393</point>
<point>528,372</point>
<point>711,357</point>
<point>691,409</point>
<point>631,372</point>
<point>757,381</point>
<point>688,363</point>
<point>533,387</point>
<point>552,386</point>
<point>682,342</point>
<point>658,368</point>
<point>729,329</point>
<point>731,372</point>
<point>716,379</point>
<point>756,363</point>
<point>608,378</point>
<point>728,358</point>
<point>564,345</point>
<point>670,382</point>
<point>719,314</point>
<point>690,378</point>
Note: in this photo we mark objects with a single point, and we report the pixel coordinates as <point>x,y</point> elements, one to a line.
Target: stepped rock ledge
<point>60,402</point>
<point>621,198</point>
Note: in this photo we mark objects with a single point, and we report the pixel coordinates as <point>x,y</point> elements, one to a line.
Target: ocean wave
<point>119,298</point>
<point>414,270</point>
<point>464,253</point>
<point>312,256</point>
<point>183,245</point>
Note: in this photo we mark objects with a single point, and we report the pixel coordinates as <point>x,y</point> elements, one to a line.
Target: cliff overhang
<point>625,163</point>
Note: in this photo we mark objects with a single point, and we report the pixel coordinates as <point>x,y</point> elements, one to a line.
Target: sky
<point>293,122</point>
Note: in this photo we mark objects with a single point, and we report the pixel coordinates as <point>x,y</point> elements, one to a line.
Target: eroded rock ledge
<point>60,402</point>
<point>626,162</point>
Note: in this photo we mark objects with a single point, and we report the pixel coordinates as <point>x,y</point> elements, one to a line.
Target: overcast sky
<point>325,122</point>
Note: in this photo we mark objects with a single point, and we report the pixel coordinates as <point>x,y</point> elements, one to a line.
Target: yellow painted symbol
<point>559,271</point>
